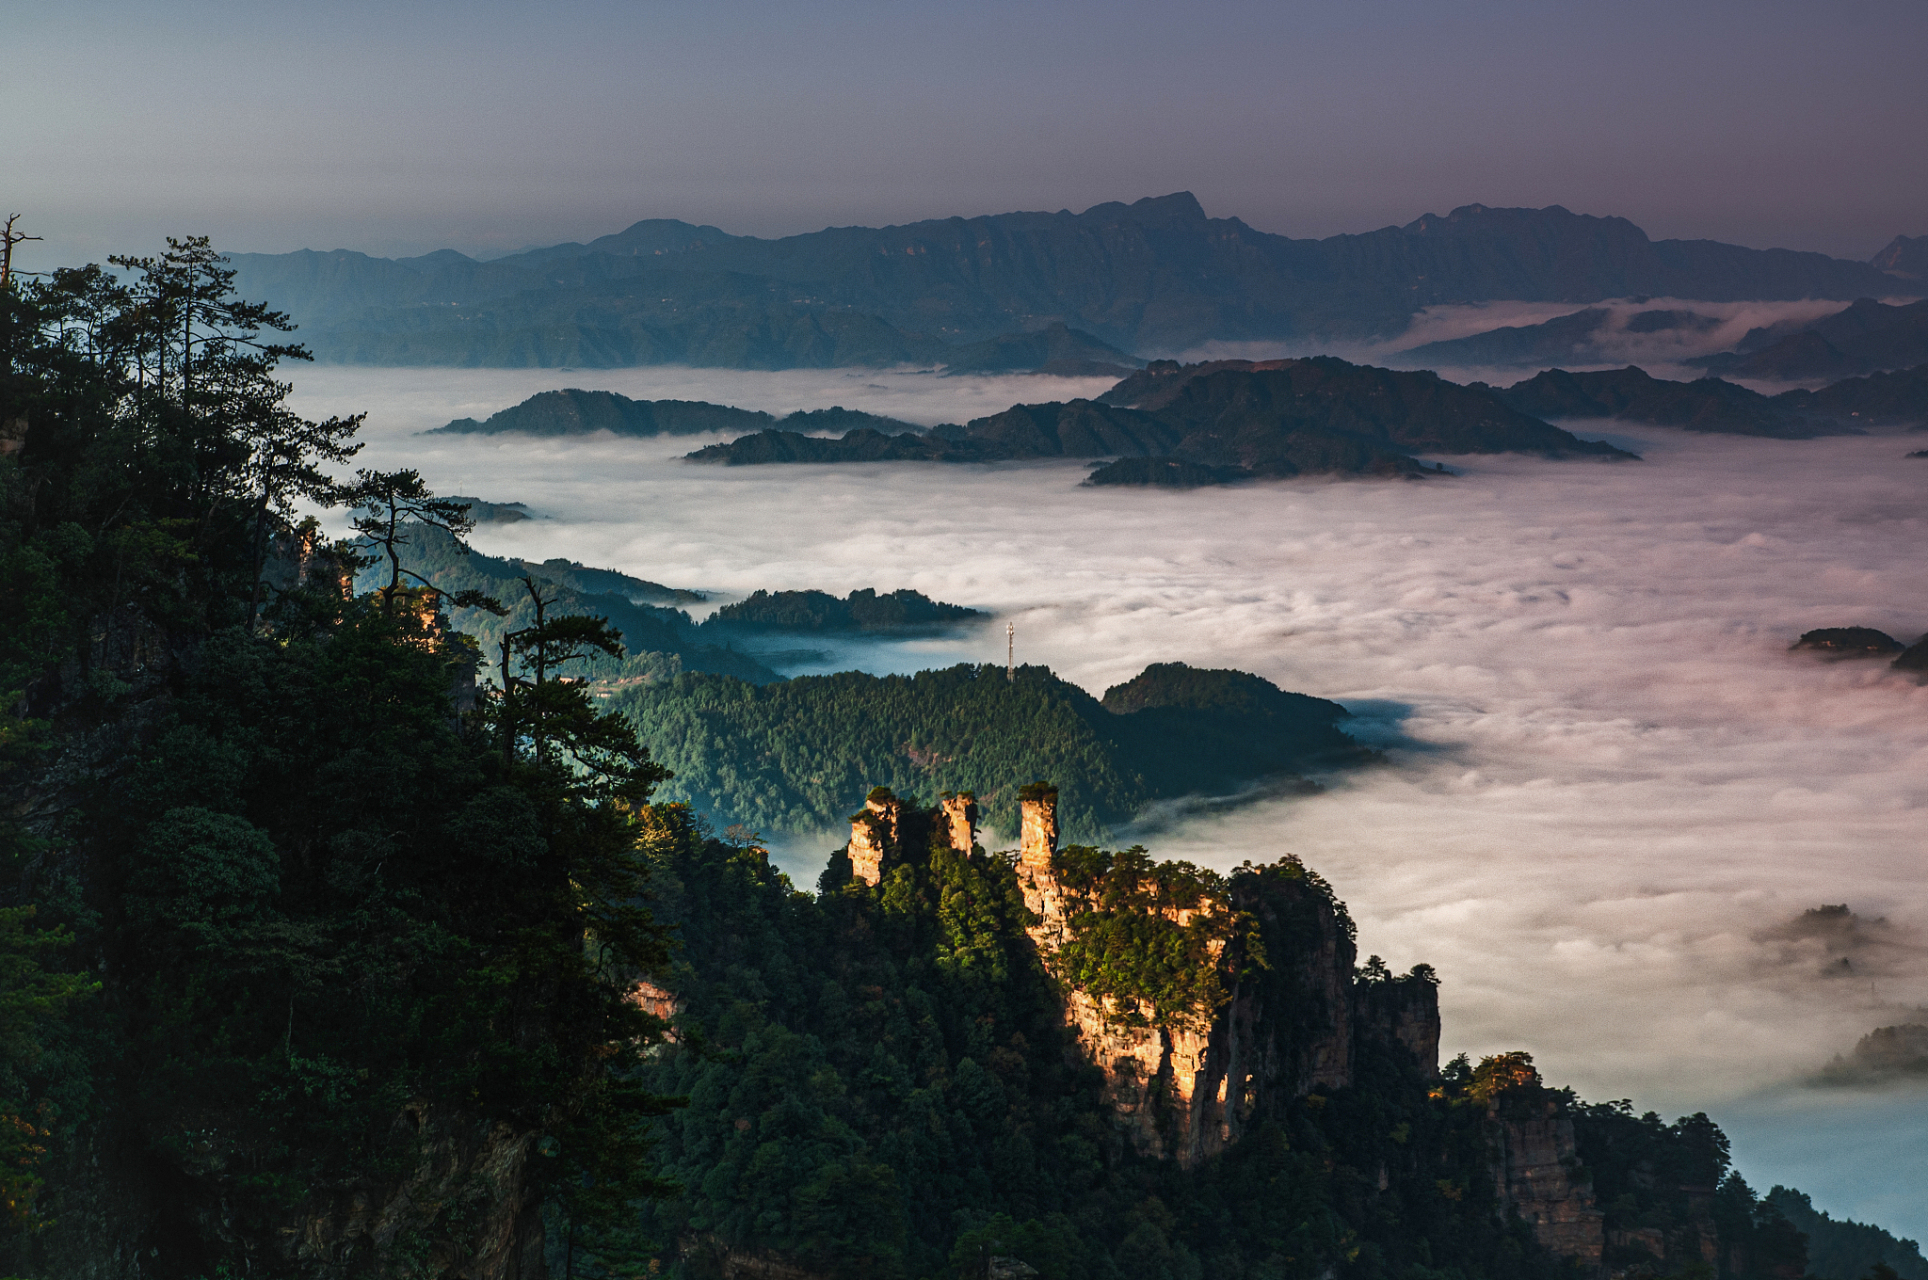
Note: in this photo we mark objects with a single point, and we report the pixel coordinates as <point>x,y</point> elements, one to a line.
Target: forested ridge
<point>800,754</point>
<point>318,960</point>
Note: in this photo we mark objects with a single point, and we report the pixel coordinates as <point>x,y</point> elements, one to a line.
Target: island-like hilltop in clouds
<point>973,293</point>
<point>1221,421</point>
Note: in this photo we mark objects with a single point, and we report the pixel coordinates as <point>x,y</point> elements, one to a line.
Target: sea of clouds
<point>1610,785</point>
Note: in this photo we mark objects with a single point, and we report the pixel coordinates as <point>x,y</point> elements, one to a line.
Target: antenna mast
<point>1010,650</point>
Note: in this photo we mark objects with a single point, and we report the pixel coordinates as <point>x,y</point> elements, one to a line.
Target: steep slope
<point>1880,399</point>
<point>1867,337</point>
<point>795,756</point>
<point>1053,349</point>
<point>1905,257</point>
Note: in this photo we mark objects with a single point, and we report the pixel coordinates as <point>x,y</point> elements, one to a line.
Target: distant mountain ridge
<point>1157,274</point>
<point>1867,337</point>
<point>1218,421</point>
<point>573,411</point>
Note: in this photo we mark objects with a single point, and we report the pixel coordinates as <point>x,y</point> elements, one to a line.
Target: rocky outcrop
<point>1537,1175</point>
<point>1401,1015</point>
<point>1186,1087</point>
<point>1849,642</point>
<point>886,831</point>
<point>467,1206</point>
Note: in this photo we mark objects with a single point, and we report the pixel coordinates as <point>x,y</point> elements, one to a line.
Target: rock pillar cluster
<point>886,831</point>
<point>1187,1087</point>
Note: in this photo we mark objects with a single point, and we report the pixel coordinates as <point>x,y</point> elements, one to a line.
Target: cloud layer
<point>1611,785</point>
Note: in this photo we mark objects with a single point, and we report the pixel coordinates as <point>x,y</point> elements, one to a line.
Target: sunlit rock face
<point>886,832</point>
<point>1187,1085</point>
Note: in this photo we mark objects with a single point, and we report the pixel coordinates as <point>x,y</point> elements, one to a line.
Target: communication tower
<point>1010,651</point>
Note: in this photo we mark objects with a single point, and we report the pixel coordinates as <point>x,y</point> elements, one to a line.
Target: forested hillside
<point>799,755</point>
<point>292,920</point>
<point>883,1082</point>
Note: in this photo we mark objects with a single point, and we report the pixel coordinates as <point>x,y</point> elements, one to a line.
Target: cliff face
<point>1536,1175</point>
<point>467,1174</point>
<point>1188,1086</point>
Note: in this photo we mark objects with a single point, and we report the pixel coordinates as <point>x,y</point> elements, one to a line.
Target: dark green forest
<point>301,936</point>
<point>799,755</point>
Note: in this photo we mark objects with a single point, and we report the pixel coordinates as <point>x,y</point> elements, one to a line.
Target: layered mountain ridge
<point>1154,275</point>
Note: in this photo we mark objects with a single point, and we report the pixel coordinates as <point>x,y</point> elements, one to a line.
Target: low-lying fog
<point>1611,786</point>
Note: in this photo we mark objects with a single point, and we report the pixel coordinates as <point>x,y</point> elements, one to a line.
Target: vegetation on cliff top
<point>1146,939</point>
<point>882,1084</point>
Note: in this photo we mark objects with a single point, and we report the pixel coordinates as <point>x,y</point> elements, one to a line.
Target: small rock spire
<point>960,820</point>
<point>873,834</point>
<point>1038,838</point>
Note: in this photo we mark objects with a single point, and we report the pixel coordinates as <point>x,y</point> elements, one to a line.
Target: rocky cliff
<point>1283,1016</point>
<point>1191,1061</point>
<point>1285,1013</point>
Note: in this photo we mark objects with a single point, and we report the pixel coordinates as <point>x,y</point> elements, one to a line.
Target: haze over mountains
<point>1156,276</point>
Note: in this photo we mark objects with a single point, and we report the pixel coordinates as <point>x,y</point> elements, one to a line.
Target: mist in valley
<point>1610,788</point>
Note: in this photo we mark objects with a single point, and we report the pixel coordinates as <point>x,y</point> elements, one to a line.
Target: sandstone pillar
<point>873,835</point>
<point>1038,827</point>
<point>960,820</point>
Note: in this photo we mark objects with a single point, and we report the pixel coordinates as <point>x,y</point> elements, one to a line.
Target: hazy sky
<point>491,126</point>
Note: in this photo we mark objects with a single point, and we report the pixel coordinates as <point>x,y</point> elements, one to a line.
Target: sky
<point>1610,785</point>
<point>489,127</point>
